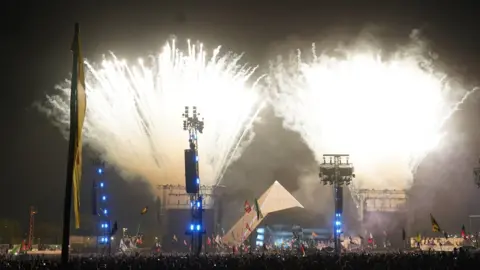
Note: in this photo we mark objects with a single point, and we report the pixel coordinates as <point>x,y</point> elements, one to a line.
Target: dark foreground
<point>461,260</point>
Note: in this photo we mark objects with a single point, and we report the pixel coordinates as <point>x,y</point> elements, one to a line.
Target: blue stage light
<point>198,204</point>
<point>100,171</point>
<point>198,181</point>
<point>338,223</point>
<point>105,211</point>
<point>101,184</point>
<point>106,225</point>
<point>198,227</point>
<point>196,158</point>
<point>104,197</point>
<point>338,231</point>
<point>338,214</point>
<point>191,227</point>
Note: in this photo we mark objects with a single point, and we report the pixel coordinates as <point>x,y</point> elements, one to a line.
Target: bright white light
<point>386,112</point>
<point>134,112</point>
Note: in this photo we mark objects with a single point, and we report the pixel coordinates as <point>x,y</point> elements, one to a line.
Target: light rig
<point>338,171</point>
<point>194,125</point>
<point>100,206</point>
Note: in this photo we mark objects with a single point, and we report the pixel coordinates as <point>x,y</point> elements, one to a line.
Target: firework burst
<point>134,112</point>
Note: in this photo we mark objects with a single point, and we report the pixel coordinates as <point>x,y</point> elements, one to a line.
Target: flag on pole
<point>78,103</point>
<point>435,226</point>
<point>114,229</point>
<point>314,235</point>
<point>258,210</point>
<point>209,241</point>
<point>175,238</point>
<point>144,210</point>
<point>464,235</point>
<point>247,207</point>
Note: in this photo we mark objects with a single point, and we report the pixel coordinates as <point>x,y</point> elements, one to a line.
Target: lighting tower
<point>476,175</point>
<point>193,125</point>
<point>103,236</point>
<point>31,227</point>
<point>337,172</point>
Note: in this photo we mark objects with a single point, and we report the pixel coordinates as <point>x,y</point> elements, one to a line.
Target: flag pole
<point>67,204</point>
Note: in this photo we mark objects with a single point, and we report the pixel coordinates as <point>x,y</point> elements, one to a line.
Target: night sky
<point>35,50</point>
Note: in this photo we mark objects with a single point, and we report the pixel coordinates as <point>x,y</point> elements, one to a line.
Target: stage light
<point>198,204</point>
<point>198,227</point>
<point>260,237</point>
<point>198,181</point>
<point>338,231</point>
<point>191,227</point>
<point>105,211</point>
<point>99,170</point>
<point>196,158</point>
<point>261,230</point>
<point>338,223</point>
<point>104,197</point>
<point>101,185</point>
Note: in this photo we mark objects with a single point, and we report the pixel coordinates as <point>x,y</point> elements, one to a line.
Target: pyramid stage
<point>275,199</point>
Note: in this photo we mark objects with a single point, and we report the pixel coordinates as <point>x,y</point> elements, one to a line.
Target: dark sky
<point>34,46</point>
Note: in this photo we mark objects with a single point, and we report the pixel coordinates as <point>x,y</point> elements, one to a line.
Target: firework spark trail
<point>387,113</point>
<point>134,117</point>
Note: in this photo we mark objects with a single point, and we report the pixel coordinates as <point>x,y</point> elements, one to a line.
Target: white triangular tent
<point>276,198</point>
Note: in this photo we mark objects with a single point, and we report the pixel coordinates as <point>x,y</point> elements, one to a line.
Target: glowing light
<point>387,112</point>
<point>101,184</point>
<point>134,116</point>
<point>100,171</point>
<point>198,227</point>
<point>191,227</point>
<point>104,197</point>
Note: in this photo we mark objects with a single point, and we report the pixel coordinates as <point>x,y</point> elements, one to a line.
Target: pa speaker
<point>191,172</point>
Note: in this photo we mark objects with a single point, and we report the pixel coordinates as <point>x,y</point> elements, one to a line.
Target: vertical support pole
<point>338,216</point>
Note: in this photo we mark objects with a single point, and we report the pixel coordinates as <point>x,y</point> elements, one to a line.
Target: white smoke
<point>134,112</point>
<point>387,110</point>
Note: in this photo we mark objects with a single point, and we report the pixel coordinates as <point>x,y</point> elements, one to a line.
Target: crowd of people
<point>459,259</point>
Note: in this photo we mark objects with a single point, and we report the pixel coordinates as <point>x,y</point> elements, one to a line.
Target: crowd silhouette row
<point>459,259</point>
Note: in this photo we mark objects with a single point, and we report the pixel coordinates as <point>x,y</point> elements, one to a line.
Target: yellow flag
<point>418,238</point>
<point>435,226</point>
<point>80,96</point>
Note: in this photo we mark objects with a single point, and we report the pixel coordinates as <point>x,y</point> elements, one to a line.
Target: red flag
<point>209,241</point>
<point>247,207</point>
<point>248,227</point>
<point>464,235</point>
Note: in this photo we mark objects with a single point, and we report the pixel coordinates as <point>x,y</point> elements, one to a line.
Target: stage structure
<point>476,175</point>
<point>390,205</point>
<point>194,126</point>
<point>276,198</point>
<point>374,200</point>
<point>337,171</point>
<point>174,197</point>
